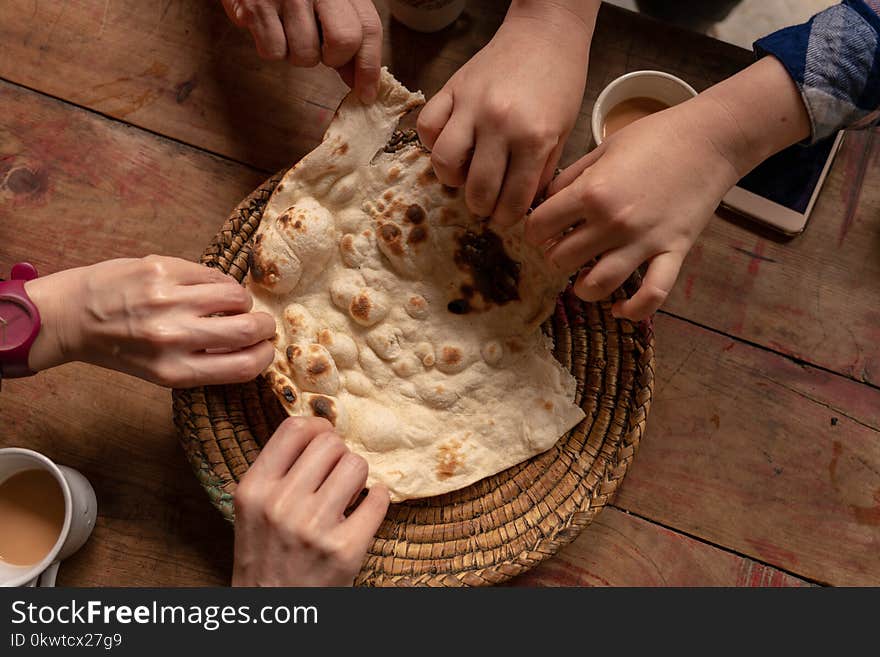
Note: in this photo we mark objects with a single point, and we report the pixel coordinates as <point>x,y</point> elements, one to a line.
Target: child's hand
<point>290,523</point>
<point>643,196</point>
<point>152,318</point>
<point>343,34</point>
<point>646,194</point>
<point>499,125</point>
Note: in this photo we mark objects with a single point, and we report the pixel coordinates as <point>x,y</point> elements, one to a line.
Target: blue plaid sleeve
<point>834,59</point>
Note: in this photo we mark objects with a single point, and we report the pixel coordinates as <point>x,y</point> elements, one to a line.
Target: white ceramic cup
<point>658,85</point>
<point>80,511</point>
<point>426,15</point>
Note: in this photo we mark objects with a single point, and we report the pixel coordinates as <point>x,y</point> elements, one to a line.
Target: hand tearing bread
<point>401,317</point>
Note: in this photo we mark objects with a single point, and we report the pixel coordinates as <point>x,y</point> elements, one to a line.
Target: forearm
<point>571,17</point>
<point>752,115</point>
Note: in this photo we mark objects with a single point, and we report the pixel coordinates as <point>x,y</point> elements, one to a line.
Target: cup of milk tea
<point>47,512</point>
<point>634,96</point>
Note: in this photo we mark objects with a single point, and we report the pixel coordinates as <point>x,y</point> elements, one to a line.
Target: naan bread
<point>401,317</point>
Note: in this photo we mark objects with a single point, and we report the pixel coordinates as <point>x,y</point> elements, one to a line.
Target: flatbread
<point>401,317</point>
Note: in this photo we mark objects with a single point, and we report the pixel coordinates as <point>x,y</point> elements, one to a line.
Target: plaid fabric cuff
<point>834,58</point>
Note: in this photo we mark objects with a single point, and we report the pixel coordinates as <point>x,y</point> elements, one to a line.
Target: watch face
<point>16,323</point>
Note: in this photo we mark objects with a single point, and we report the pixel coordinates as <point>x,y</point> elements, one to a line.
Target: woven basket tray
<point>496,528</point>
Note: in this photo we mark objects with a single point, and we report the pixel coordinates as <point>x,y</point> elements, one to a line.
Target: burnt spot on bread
<point>298,225</point>
<point>288,394</point>
<point>262,273</point>
<point>318,366</point>
<point>390,234</point>
<point>323,407</point>
<point>393,174</point>
<point>341,149</point>
<point>414,214</point>
<point>280,187</point>
<point>451,192</point>
<point>388,195</point>
<point>451,355</point>
<point>289,352</point>
<point>515,346</point>
<point>459,306</point>
<point>494,274</point>
<point>449,459</point>
<point>360,307</point>
<point>427,177</point>
<point>347,243</point>
<point>417,235</point>
<point>401,138</point>
<point>548,405</point>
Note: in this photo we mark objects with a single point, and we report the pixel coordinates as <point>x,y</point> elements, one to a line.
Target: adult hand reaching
<point>166,320</point>
<point>290,522</point>
<point>345,35</point>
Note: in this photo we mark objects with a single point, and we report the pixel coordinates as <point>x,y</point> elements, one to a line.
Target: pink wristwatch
<point>19,322</point>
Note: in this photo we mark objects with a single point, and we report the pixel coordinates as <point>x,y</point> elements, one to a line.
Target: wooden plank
<point>619,549</point>
<point>181,69</point>
<point>773,460</point>
<point>815,297</point>
<point>77,188</point>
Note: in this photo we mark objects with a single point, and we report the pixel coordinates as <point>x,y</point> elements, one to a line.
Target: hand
<point>290,523</point>
<point>343,34</point>
<point>499,125</point>
<point>154,318</point>
<point>647,192</point>
<point>644,195</point>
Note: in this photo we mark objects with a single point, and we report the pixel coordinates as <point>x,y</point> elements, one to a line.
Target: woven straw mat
<point>496,528</point>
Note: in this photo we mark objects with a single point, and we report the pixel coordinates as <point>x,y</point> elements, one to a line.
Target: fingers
<point>452,150</point>
<point>303,44</point>
<point>365,520</point>
<point>579,247</point>
<point>231,332</point>
<point>658,282</point>
<point>485,175</point>
<point>267,31</point>
<point>316,463</point>
<point>571,173</point>
<point>343,484</point>
<point>550,165</point>
<point>433,117</point>
<point>286,445</point>
<point>607,275</point>
<point>217,369</point>
<point>342,32</point>
<point>209,298</point>
<point>182,272</point>
<point>520,187</point>
<point>368,61</point>
<point>558,213</point>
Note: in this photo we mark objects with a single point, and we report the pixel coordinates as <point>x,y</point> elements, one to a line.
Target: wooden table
<point>128,128</point>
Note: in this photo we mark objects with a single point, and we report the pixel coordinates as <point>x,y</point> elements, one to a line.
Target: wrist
<point>56,341</point>
<point>565,17</point>
<point>745,135</point>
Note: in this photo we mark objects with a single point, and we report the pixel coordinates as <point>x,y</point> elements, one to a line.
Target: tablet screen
<point>789,178</point>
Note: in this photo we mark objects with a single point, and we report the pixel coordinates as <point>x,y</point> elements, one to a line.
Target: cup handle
<point>47,578</point>
<point>33,582</point>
